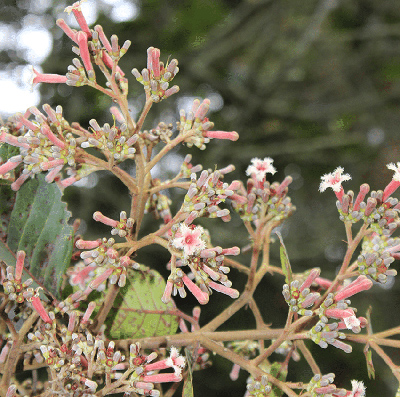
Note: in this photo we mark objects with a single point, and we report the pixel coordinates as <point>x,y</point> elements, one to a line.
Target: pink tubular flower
<point>231,135</point>
<point>18,183</point>
<point>94,284</point>
<point>77,11</point>
<point>361,283</point>
<point>285,183</point>
<point>175,361</point>
<point>68,181</point>
<point>341,345</point>
<point>314,273</point>
<point>67,30</point>
<point>53,173</point>
<point>19,266</point>
<point>189,239</point>
<point>87,244</point>
<point>394,183</point>
<point>339,313</point>
<point>88,312</point>
<point>103,38</point>
<point>11,139</point>
<point>9,166</point>
<point>260,168</point>
<point>364,189</point>
<point>201,296</point>
<point>233,293</point>
<point>11,391</point>
<point>47,78</point>
<point>47,165</point>
<point>334,180</point>
<point>164,377</point>
<point>99,217</point>
<point>49,133</point>
<point>117,114</point>
<point>153,61</point>
<point>38,306</point>
<point>80,275</point>
<point>167,291</point>
<point>84,51</point>
<point>200,110</point>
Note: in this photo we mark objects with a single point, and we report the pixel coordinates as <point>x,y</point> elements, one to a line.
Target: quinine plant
<point>83,318</point>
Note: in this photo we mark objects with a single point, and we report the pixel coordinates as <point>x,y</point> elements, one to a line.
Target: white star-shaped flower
<point>396,169</point>
<point>189,240</point>
<point>260,168</point>
<point>358,388</point>
<point>334,180</point>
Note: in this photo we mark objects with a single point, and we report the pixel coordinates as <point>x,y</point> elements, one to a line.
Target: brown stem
<point>266,353</point>
<point>169,185</point>
<point>105,308</point>
<point>167,148</point>
<point>146,109</point>
<point>245,364</point>
<point>308,356</point>
<point>15,352</point>
<point>394,368</point>
<point>236,265</point>
<point>114,385</point>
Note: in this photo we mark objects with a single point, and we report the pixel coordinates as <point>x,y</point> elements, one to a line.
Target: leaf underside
<point>138,309</point>
<point>39,226</point>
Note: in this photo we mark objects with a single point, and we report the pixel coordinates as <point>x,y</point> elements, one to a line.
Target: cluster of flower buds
<point>91,46</point>
<point>298,296</point>
<point>187,169</point>
<point>378,253</point>
<point>156,77</point>
<point>142,380</point>
<point>258,387</point>
<point>123,227</point>
<point>71,352</point>
<point>102,261</point>
<point>383,217</point>
<point>206,265</point>
<point>70,355</point>
<point>162,132</point>
<point>322,386</point>
<point>113,141</point>
<point>17,290</point>
<point>46,146</point>
<point>380,211</point>
<point>336,306</point>
<point>197,122</point>
<point>206,193</point>
<point>247,348</point>
<point>261,198</point>
<point>323,334</point>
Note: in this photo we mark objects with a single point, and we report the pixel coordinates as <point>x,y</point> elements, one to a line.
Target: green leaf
<point>6,255</point>
<point>139,311</point>
<point>279,372</point>
<point>39,226</point>
<point>188,384</point>
<point>7,200</point>
<point>286,268</point>
<point>370,364</point>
